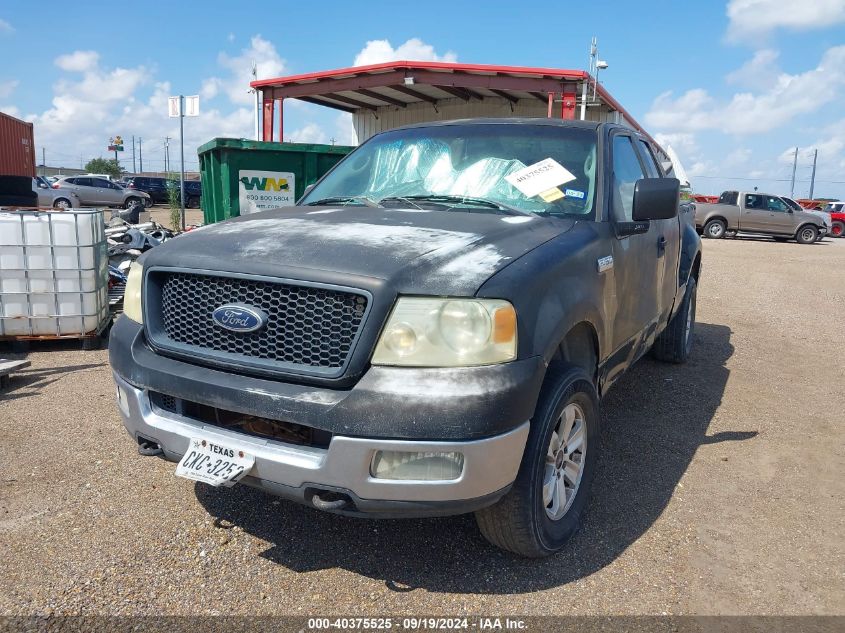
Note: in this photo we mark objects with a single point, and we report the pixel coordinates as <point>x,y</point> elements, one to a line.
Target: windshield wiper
<point>450,199</point>
<point>343,201</point>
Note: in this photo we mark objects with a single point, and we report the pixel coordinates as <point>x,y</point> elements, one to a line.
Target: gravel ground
<point>719,490</point>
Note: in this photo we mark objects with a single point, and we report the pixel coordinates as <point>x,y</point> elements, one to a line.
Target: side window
<point>99,182</point>
<point>70,181</point>
<point>85,182</point>
<point>648,159</point>
<point>776,204</point>
<point>753,201</point>
<point>626,172</point>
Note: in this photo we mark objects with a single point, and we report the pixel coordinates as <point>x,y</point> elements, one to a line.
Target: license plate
<point>214,463</point>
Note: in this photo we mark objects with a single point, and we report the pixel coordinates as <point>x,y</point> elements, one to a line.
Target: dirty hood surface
<point>409,250</point>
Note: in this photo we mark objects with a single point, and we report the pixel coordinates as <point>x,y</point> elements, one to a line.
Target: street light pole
<point>182,153</point>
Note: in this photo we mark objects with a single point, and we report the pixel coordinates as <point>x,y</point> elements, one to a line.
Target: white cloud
<point>750,113</point>
<point>78,61</point>
<point>737,158</point>
<point>760,72</point>
<point>210,87</point>
<point>310,133</point>
<point>260,52</point>
<point>681,142</point>
<point>8,87</point>
<point>379,51</point>
<point>5,27</point>
<point>749,19</point>
<point>701,168</point>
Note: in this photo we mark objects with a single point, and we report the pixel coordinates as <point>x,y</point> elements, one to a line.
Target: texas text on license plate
<point>214,463</point>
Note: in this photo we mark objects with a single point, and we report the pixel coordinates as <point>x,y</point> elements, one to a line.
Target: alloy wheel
<point>565,459</point>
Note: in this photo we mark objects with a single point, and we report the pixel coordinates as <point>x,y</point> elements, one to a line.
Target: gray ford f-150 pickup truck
<point>428,332</point>
<point>761,213</point>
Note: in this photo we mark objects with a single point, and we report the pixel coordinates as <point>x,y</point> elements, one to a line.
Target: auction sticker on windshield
<point>260,189</point>
<point>214,463</point>
<point>541,179</point>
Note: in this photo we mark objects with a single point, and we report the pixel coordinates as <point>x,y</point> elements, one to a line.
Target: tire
<point>675,342</point>
<point>62,203</point>
<point>715,229</point>
<point>131,202</point>
<point>807,234</point>
<point>193,203</point>
<point>148,202</point>
<point>522,521</point>
<point>838,229</point>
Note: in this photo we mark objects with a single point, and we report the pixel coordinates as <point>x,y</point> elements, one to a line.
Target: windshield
<point>467,166</point>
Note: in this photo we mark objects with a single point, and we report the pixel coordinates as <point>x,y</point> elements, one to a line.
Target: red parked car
<point>837,217</point>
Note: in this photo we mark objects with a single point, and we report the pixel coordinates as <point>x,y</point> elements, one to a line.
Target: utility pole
<point>140,154</point>
<point>166,154</point>
<point>794,165</point>
<point>133,154</point>
<point>256,99</point>
<point>813,177</point>
<point>182,152</point>
<point>43,161</point>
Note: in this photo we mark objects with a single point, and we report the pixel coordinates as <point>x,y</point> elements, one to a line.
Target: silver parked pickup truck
<point>762,213</point>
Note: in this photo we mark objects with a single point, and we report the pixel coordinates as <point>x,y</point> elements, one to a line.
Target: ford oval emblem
<point>239,318</point>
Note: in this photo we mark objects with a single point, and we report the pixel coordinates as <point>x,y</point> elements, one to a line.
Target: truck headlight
<point>132,293</point>
<point>434,332</point>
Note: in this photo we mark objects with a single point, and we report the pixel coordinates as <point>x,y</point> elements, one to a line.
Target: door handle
<point>661,245</point>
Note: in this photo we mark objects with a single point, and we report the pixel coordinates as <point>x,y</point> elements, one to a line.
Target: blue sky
<point>731,85</point>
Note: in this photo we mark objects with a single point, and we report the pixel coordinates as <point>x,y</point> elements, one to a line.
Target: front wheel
<point>544,507</point>
<point>807,234</point>
<point>132,202</point>
<point>715,229</point>
<point>62,203</point>
<point>838,229</point>
<point>148,202</point>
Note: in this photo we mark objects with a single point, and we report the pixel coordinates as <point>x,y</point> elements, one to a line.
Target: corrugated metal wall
<point>17,151</point>
<point>366,122</point>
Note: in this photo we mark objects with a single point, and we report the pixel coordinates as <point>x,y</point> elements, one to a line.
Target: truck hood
<point>410,250</point>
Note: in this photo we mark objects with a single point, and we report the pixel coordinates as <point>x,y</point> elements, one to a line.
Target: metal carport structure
<point>385,96</point>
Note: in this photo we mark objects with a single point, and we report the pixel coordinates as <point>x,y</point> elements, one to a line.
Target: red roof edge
<point>410,65</point>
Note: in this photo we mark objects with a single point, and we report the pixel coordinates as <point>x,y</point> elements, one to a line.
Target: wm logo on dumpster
<point>265,184</point>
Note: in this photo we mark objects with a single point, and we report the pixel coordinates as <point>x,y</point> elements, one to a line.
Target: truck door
<point>781,220</point>
<point>754,216</point>
<point>637,269</point>
<point>668,241</point>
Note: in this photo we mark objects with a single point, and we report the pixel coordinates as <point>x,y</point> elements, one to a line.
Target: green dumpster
<point>241,176</point>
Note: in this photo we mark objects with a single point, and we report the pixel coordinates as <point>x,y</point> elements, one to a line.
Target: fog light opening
<point>123,401</point>
<point>418,466</point>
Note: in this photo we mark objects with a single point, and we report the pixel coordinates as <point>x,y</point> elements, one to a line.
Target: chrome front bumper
<point>300,472</point>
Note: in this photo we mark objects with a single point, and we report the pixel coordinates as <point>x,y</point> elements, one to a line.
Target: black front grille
<point>279,430</point>
<point>309,327</point>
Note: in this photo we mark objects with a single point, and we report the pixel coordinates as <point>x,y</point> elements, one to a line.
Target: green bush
<point>174,201</point>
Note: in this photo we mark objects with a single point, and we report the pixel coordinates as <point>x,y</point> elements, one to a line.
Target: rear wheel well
<point>579,348</point>
<point>715,217</point>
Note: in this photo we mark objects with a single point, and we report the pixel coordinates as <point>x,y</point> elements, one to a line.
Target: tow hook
<point>148,448</point>
<point>329,503</point>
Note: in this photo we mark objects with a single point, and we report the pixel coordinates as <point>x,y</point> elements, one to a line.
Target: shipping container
<point>241,176</point>
<point>17,147</point>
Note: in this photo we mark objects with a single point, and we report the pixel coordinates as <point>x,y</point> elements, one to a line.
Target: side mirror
<point>41,185</point>
<point>656,199</point>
